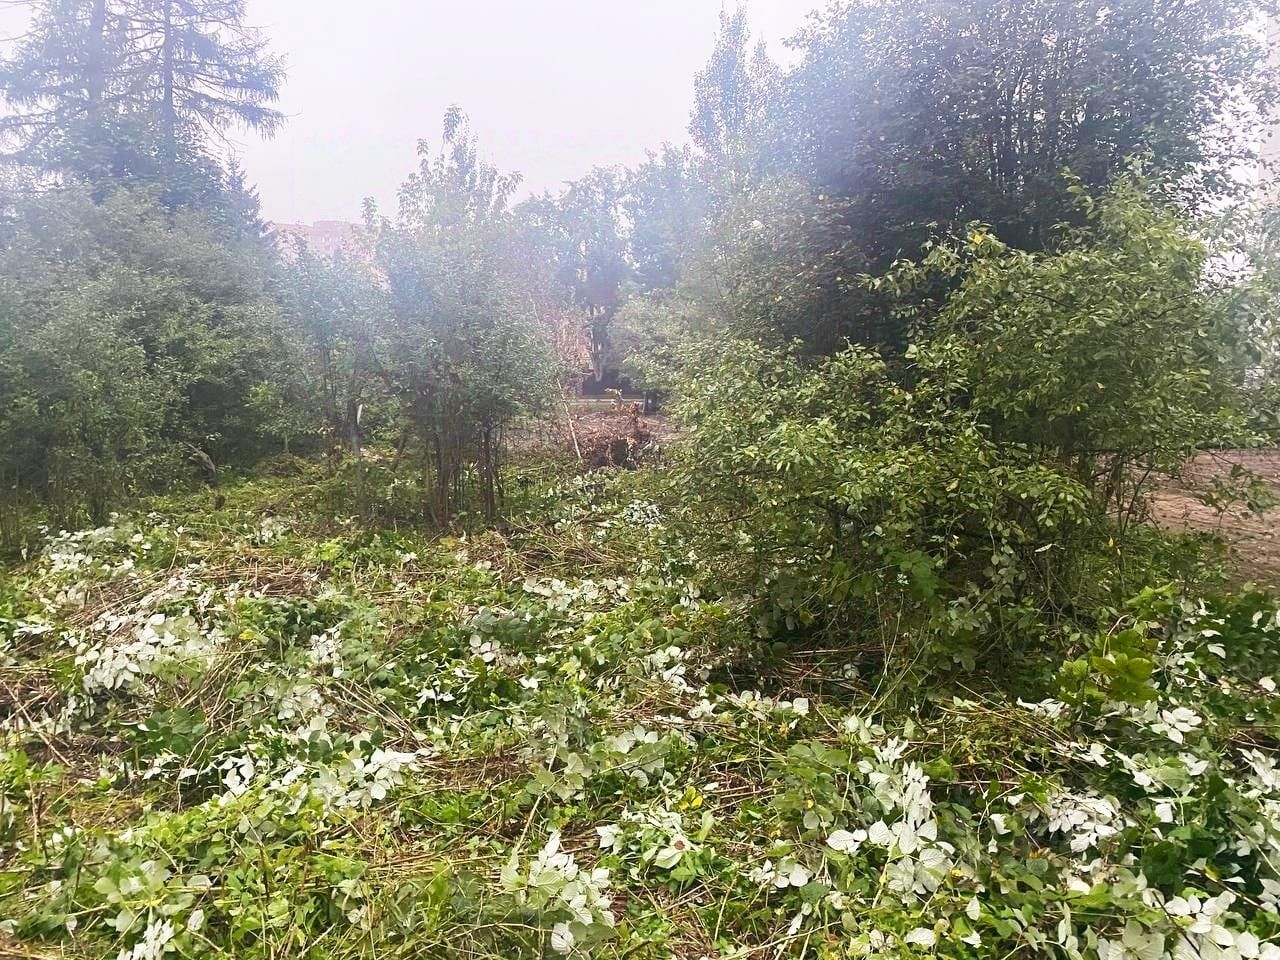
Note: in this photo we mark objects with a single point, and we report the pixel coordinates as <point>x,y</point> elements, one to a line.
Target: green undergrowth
<point>244,726</point>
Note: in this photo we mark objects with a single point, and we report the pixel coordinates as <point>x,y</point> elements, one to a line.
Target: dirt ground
<point>1253,540</point>
<point>596,424</point>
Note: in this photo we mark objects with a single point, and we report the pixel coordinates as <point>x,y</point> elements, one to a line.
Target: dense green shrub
<point>979,492</point>
<point>127,333</point>
<point>843,502</point>
<point>1114,356</point>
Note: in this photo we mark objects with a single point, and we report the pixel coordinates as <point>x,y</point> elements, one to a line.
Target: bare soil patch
<point>599,432</point>
<point>1253,541</point>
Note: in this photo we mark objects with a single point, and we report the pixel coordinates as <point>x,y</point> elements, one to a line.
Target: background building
<point>324,238</point>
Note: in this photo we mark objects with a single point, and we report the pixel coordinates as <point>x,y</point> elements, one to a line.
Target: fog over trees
<point>844,533</point>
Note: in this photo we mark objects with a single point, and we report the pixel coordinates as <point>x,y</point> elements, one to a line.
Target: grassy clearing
<point>263,730</point>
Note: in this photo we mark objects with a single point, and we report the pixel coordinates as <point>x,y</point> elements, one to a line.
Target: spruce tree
<point>116,90</point>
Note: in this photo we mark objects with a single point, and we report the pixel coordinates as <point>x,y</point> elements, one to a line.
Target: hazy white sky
<point>553,87</point>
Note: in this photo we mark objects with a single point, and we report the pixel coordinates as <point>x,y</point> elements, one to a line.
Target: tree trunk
<point>97,60</point>
<point>597,326</point>
<point>169,120</point>
<point>488,475</point>
<point>357,454</point>
<point>96,152</point>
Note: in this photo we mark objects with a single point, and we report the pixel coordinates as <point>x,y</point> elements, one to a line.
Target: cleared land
<point>1251,539</point>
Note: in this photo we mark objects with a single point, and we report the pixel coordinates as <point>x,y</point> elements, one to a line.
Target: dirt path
<point>1254,541</point>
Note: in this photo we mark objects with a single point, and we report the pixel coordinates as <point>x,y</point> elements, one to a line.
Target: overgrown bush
<point>464,354</point>
<point>1115,356</point>
<point>976,495</point>
<point>127,331</point>
<point>844,503</point>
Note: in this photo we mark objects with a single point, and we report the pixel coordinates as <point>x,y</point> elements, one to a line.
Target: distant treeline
<point>147,316</point>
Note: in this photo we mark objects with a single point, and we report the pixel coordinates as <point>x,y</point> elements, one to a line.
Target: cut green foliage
<point>221,740</point>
